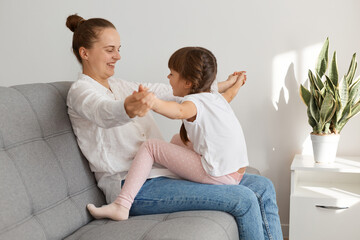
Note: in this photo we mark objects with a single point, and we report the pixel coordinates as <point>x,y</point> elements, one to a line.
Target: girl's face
<point>181,87</point>
<point>99,61</point>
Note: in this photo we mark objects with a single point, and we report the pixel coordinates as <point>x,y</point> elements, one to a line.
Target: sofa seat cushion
<point>180,225</point>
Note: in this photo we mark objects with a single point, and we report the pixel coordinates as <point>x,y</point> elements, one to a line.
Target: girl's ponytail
<point>183,134</point>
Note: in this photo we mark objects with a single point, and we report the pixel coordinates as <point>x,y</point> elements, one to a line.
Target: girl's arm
<point>231,92</point>
<point>223,86</point>
<point>175,110</point>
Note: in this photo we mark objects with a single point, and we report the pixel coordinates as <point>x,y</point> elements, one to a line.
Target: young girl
<point>211,147</point>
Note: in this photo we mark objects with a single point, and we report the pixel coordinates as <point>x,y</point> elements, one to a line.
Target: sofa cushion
<point>45,181</point>
<point>180,225</point>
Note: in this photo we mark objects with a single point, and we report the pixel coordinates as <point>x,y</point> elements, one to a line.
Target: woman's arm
<point>174,110</point>
<point>231,92</point>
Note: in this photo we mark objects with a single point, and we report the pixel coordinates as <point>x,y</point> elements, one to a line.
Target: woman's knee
<point>258,184</point>
<point>268,185</point>
<point>243,200</point>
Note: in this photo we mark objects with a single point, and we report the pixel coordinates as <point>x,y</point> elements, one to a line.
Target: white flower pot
<point>325,147</point>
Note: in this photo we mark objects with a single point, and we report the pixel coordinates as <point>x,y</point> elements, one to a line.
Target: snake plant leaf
<point>355,82</point>
<point>344,96</point>
<point>354,92</point>
<point>333,71</point>
<point>329,85</point>
<point>311,79</point>
<point>327,128</point>
<point>345,114</point>
<point>355,110</point>
<point>327,108</point>
<point>322,62</point>
<point>316,80</point>
<point>305,95</point>
<point>311,120</point>
<point>352,69</point>
<point>316,96</point>
<point>314,110</point>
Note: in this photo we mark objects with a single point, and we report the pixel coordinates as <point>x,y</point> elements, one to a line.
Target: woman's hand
<point>139,103</point>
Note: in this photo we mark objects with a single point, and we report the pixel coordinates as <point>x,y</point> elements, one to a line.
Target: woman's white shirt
<point>107,137</point>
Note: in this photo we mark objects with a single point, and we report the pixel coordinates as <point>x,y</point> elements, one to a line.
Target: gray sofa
<point>45,181</point>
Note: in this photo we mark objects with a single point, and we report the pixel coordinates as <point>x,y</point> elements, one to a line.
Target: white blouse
<point>107,137</point>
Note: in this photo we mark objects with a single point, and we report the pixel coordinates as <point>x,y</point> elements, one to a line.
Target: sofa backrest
<point>45,181</point>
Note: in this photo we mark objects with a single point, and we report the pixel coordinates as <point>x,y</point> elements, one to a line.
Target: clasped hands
<point>139,102</point>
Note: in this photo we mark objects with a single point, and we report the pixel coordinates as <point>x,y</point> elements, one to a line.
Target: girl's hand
<point>231,79</point>
<point>231,92</point>
<point>139,103</point>
<point>240,77</point>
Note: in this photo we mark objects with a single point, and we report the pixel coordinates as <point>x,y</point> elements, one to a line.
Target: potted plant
<point>330,102</point>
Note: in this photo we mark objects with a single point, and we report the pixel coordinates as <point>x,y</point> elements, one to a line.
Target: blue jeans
<point>252,202</point>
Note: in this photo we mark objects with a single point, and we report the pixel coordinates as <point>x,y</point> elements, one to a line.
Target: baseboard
<point>285,230</point>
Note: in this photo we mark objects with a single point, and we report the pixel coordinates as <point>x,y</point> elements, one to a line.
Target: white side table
<point>325,199</point>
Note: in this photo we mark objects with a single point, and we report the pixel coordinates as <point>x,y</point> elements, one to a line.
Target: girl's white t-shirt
<point>216,134</point>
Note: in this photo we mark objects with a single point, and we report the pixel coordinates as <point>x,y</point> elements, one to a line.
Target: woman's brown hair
<point>86,32</point>
<point>197,65</point>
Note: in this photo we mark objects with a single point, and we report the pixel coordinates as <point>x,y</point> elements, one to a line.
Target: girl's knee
<point>152,144</point>
<point>176,139</point>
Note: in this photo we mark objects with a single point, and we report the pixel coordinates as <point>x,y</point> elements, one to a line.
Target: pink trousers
<point>178,158</point>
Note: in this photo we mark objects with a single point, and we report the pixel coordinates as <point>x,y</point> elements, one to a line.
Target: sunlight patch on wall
<point>307,147</point>
<point>308,60</point>
<point>302,60</point>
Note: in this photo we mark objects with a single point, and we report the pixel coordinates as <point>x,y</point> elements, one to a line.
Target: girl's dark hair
<point>86,32</point>
<point>197,65</point>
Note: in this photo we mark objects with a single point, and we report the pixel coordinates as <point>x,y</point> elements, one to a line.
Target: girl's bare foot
<point>113,211</point>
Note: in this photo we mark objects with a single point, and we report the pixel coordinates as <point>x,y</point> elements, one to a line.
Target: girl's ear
<point>83,53</point>
<point>188,84</point>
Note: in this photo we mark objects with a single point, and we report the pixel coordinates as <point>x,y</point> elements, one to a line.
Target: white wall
<point>275,41</point>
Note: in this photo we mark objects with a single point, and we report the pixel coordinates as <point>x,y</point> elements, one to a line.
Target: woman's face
<point>180,86</point>
<point>99,62</point>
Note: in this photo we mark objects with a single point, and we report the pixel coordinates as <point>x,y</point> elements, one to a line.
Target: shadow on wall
<point>285,135</point>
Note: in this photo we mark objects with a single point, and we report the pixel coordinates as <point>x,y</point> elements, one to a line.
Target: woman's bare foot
<point>113,211</point>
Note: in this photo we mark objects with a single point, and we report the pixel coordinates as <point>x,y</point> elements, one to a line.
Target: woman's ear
<point>83,53</point>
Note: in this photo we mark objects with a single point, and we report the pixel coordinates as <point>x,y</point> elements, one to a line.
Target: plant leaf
<point>305,95</point>
<point>322,61</point>
<point>344,96</point>
<point>352,69</point>
<point>327,108</point>
<point>311,120</point>
<point>314,110</point>
<point>333,71</point>
<point>354,110</point>
<point>354,92</point>
<point>317,80</point>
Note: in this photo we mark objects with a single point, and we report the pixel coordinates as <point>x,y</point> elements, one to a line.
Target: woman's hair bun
<point>73,22</point>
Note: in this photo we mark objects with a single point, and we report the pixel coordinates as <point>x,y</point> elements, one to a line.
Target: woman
<point>109,117</point>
